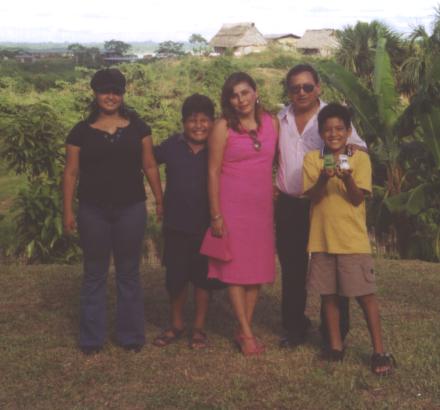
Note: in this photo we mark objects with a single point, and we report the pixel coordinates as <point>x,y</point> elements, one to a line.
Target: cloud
<point>98,20</point>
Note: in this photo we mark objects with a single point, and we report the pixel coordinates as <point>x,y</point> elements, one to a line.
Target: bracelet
<point>216,217</point>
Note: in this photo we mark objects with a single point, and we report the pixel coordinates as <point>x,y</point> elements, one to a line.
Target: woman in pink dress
<point>241,153</point>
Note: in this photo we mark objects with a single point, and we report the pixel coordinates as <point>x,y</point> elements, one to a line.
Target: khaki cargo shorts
<point>347,275</point>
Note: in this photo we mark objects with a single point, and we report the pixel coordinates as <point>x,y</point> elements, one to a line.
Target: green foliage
<point>408,193</point>
<point>116,47</point>
<point>357,48</point>
<point>85,56</point>
<point>31,135</point>
<point>199,44</point>
<point>170,49</point>
<point>31,140</point>
<point>39,233</point>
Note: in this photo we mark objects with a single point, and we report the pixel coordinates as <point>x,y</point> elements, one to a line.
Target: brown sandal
<point>168,336</point>
<point>199,339</point>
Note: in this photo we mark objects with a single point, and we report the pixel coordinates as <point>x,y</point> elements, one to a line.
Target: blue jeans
<point>103,231</point>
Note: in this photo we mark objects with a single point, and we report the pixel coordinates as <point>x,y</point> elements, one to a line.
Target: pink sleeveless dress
<point>247,208</point>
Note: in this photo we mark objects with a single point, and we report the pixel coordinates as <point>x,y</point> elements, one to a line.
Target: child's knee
<point>366,299</point>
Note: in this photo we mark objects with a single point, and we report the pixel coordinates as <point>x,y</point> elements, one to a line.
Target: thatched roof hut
<point>241,38</point>
<point>287,40</point>
<point>322,42</point>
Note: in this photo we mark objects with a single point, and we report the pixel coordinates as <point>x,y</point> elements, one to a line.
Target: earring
<point>257,101</point>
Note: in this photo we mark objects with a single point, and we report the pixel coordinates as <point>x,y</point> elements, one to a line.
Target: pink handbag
<point>216,247</point>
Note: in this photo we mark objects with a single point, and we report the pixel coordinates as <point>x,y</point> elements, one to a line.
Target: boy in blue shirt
<point>186,219</point>
<point>341,263</point>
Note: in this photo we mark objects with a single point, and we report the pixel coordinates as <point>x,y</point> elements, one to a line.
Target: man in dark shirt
<point>186,218</point>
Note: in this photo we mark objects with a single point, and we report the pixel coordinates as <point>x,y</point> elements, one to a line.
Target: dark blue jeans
<point>103,231</point>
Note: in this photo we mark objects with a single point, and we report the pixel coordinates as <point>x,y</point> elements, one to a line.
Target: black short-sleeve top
<point>110,165</point>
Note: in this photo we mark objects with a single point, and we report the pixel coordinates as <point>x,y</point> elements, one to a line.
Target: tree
<point>32,146</point>
<point>85,56</point>
<point>422,61</point>
<point>199,44</point>
<point>116,47</point>
<point>10,52</point>
<point>170,49</point>
<point>357,46</point>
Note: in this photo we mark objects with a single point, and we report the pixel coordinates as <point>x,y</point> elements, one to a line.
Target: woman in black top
<point>108,152</point>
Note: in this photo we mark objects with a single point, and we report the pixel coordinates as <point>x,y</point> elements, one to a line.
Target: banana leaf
<point>430,124</point>
<point>385,90</point>
<point>359,97</point>
<point>411,202</point>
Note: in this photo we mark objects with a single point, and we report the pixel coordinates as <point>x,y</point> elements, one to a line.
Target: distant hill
<point>138,47</point>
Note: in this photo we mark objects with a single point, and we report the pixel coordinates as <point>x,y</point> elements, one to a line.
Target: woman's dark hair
<point>197,103</point>
<point>124,111</point>
<point>228,111</point>
<point>334,110</point>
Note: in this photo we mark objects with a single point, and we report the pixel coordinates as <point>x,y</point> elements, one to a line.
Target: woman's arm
<point>70,177</point>
<point>151,171</point>
<point>216,146</point>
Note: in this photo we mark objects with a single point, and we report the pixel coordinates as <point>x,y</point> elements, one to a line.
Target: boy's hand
<point>344,174</point>
<point>326,174</point>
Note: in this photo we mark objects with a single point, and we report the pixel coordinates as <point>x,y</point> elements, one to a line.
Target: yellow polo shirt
<point>336,225</point>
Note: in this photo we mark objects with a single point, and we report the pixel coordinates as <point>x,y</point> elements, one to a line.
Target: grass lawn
<point>41,368</point>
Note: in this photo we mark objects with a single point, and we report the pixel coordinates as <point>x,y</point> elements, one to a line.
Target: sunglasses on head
<point>110,90</point>
<point>296,89</point>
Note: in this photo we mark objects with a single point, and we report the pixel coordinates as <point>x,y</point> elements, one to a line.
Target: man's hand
<point>159,212</point>
<point>275,192</point>
<point>354,147</point>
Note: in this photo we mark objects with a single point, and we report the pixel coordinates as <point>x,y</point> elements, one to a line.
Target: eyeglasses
<point>256,143</point>
<point>296,89</point>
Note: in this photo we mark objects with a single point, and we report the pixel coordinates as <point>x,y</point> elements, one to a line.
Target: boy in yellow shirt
<point>341,263</point>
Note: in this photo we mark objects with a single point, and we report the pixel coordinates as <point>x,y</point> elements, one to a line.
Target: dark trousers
<point>104,231</point>
<point>292,232</point>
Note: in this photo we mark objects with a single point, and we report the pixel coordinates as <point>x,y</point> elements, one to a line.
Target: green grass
<point>41,367</point>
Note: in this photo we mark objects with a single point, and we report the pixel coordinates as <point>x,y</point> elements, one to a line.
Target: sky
<point>160,20</point>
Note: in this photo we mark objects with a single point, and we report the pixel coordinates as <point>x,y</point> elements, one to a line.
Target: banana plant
<point>387,125</point>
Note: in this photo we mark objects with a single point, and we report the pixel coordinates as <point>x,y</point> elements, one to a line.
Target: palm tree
<point>422,60</point>
<point>357,46</point>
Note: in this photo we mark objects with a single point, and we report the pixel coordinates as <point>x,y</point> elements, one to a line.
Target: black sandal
<point>168,336</point>
<point>379,360</point>
<point>199,339</point>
